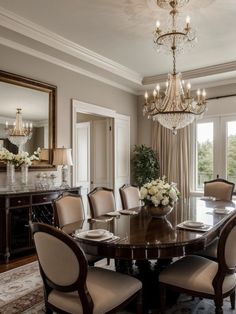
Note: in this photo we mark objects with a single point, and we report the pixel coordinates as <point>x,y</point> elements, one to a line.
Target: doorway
<point>101,149</point>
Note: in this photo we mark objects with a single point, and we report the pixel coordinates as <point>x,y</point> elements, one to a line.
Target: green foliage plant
<point>145,165</point>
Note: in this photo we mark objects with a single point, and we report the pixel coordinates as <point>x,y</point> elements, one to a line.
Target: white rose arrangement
<point>159,193</point>
<point>20,158</point>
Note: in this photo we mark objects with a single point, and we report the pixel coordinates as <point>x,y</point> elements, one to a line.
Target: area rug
<point>21,292</point>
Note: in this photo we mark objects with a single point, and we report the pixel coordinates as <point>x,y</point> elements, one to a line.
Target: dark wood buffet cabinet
<point>19,207</point>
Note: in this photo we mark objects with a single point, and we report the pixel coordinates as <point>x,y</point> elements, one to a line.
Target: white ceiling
<point>121,31</point>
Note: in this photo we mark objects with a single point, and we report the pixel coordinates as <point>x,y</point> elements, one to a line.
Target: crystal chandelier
<point>20,133</point>
<point>175,108</point>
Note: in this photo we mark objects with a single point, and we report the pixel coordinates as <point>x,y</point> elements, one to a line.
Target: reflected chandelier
<point>20,133</point>
<point>175,108</point>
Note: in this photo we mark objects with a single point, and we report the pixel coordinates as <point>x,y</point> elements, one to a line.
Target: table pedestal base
<point>148,273</point>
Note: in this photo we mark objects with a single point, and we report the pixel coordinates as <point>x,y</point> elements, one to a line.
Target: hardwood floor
<point>17,262</point>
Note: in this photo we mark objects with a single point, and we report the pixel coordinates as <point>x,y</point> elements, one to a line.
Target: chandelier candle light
<point>176,107</point>
<point>20,133</point>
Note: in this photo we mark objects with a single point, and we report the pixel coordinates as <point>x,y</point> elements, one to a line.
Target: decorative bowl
<point>159,211</point>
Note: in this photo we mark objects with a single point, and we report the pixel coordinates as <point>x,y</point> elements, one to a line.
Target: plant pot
<point>159,211</point>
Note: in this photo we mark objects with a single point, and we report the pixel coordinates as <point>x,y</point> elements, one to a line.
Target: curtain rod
<point>218,97</point>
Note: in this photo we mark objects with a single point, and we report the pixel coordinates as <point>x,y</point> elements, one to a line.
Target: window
<point>204,149</point>
<point>231,151</point>
<point>215,150</point>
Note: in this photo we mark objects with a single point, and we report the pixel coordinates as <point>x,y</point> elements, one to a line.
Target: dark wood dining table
<point>143,238</point>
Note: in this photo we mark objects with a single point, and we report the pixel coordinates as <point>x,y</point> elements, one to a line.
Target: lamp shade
<point>62,156</point>
<point>44,154</point>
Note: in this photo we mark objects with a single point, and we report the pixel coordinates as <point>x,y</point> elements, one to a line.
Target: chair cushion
<point>195,273</point>
<point>107,288</point>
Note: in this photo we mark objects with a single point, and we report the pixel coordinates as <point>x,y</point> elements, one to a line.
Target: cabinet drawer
<point>44,198</point>
<point>19,201</point>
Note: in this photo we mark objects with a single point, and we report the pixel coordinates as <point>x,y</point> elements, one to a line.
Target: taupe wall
<point>215,107</point>
<point>70,85</point>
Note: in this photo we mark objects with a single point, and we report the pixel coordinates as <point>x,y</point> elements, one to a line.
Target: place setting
<point>194,225</point>
<point>100,235</point>
<point>128,212</point>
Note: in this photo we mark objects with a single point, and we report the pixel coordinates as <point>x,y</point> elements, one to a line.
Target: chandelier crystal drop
<point>20,133</point>
<point>176,107</point>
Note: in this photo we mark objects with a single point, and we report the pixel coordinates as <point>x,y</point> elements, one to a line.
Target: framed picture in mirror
<point>29,105</point>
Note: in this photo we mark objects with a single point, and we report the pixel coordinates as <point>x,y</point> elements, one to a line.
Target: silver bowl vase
<point>159,211</point>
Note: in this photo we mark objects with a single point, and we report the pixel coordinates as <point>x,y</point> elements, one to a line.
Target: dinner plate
<point>194,224</point>
<point>96,233</point>
<point>128,212</point>
<point>113,213</point>
<point>208,198</point>
<point>221,211</point>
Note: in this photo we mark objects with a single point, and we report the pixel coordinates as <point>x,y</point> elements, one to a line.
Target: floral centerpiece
<point>159,194</point>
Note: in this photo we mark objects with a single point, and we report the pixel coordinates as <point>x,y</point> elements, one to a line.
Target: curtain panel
<point>174,153</point>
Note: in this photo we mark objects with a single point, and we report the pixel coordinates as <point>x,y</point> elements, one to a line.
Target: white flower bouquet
<point>20,158</point>
<point>159,193</point>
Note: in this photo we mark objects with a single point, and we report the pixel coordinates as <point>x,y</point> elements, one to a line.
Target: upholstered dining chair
<point>101,201</point>
<point>222,190</point>
<point>199,276</point>
<point>68,211</point>
<point>70,286</point>
<point>219,188</point>
<point>130,196</point>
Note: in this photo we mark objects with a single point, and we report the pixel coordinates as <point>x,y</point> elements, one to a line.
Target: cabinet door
<point>19,229</point>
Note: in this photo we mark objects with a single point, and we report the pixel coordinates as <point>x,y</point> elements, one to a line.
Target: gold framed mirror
<point>37,101</point>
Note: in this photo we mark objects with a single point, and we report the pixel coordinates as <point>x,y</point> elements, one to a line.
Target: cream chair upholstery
<point>222,190</point>
<point>199,276</point>
<point>101,201</point>
<point>70,286</point>
<point>130,196</point>
<point>69,215</point>
<point>219,188</point>
<point>68,209</point>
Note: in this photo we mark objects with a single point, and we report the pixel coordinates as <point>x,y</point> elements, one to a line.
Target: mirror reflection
<point>27,117</point>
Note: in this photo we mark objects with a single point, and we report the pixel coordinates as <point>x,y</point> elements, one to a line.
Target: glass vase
<point>10,174</point>
<point>24,174</point>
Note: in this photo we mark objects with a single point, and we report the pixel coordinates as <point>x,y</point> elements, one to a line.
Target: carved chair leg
<point>218,306</point>
<point>162,299</point>
<point>108,261</point>
<point>232,300</point>
<point>139,303</point>
<point>48,311</point>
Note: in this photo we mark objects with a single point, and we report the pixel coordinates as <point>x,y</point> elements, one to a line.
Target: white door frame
<point>86,108</point>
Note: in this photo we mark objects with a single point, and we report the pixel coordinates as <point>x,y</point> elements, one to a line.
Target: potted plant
<point>145,165</point>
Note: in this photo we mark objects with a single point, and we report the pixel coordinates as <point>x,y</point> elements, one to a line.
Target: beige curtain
<point>174,153</point>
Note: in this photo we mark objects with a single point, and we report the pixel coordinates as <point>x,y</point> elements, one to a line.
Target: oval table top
<point>142,237</point>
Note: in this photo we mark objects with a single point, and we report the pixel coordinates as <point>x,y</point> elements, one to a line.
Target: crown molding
<point>63,64</point>
<point>196,73</point>
<point>34,31</point>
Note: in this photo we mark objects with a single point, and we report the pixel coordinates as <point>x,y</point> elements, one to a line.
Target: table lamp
<point>44,154</point>
<point>62,157</point>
